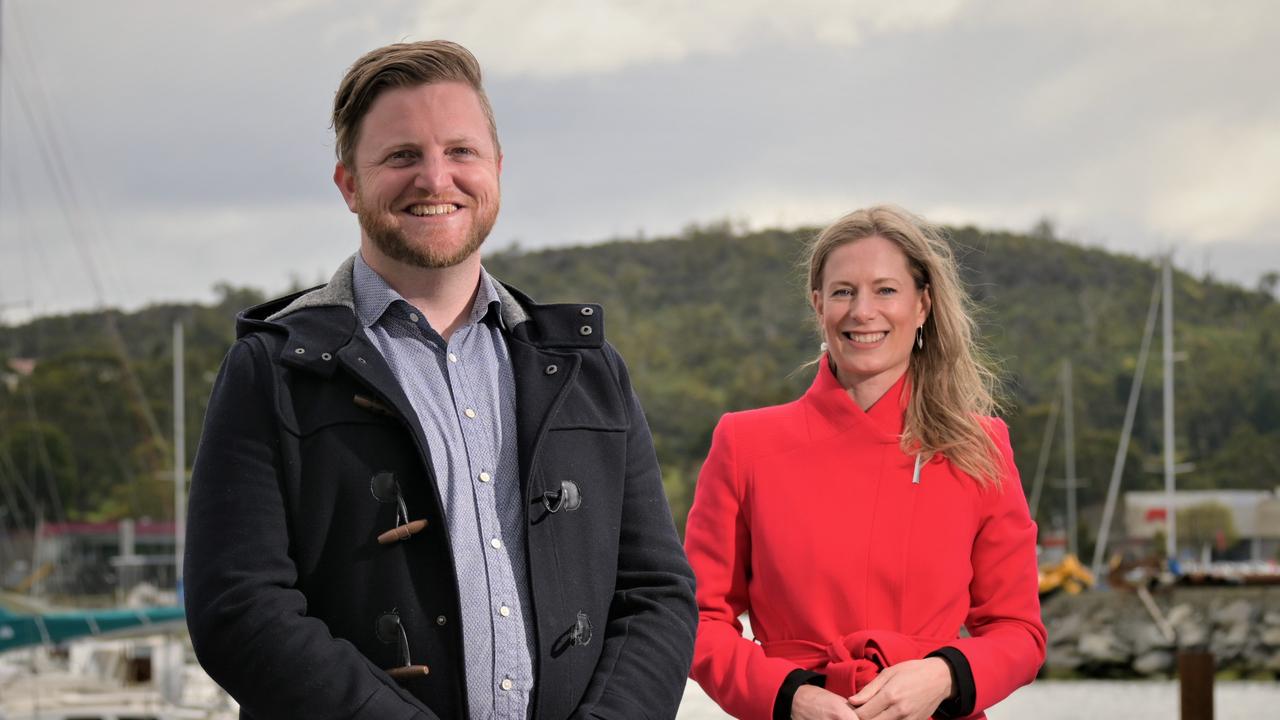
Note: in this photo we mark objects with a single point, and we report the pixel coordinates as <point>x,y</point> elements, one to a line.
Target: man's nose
<point>433,175</point>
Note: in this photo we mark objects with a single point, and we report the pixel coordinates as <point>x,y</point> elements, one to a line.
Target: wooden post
<point>1195,684</point>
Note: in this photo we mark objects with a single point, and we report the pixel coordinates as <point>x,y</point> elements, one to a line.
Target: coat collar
<point>883,421</point>
<point>322,321</point>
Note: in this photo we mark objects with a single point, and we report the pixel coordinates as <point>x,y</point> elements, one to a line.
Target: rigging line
<point>26,248</point>
<point>9,480</point>
<point>127,474</point>
<point>1122,448</point>
<point>1042,464</point>
<point>58,138</point>
<point>55,165</point>
<point>51,158</point>
<point>42,450</point>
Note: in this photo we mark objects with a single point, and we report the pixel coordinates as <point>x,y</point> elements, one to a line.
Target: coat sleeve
<point>248,621</point>
<point>734,671</point>
<point>648,641</point>
<point>1007,637</point>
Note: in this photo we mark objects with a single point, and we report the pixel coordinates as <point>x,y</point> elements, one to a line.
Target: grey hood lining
<point>340,291</point>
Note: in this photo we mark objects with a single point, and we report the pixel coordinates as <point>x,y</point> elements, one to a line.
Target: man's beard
<point>391,240</point>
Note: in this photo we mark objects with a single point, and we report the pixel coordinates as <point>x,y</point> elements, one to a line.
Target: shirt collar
<point>373,297</point>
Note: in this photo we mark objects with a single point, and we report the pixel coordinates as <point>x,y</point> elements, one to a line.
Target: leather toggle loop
<point>568,498</point>
<point>581,633</point>
<point>389,630</point>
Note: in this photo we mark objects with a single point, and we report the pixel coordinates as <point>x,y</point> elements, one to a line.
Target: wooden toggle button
<point>408,672</point>
<point>402,532</point>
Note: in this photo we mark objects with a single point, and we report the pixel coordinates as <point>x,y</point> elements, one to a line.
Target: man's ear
<point>346,182</point>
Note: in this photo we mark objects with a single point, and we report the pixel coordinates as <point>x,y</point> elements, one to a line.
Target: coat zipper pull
<point>915,476</point>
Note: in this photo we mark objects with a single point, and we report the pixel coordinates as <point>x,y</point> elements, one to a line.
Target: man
<point>419,493</point>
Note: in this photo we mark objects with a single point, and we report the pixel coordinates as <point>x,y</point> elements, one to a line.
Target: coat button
<point>300,351</point>
<point>551,370</point>
<point>585,330</point>
<point>440,620</point>
<point>588,311</point>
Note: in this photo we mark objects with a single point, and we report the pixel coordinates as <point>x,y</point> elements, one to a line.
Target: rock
<point>1065,657</point>
<point>1192,635</point>
<point>1270,636</point>
<point>1239,612</point>
<point>1155,661</point>
<point>1227,644</point>
<point>1145,637</point>
<point>1102,647</point>
<point>1065,629</point>
<point>1179,614</point>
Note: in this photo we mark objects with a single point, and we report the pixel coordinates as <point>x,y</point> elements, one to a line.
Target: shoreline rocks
<point>1111,634</point>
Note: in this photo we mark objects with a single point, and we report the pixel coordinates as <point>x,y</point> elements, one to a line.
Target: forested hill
<point>711,321</point>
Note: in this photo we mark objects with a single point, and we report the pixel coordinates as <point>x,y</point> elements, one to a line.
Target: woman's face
<point>869,309</point>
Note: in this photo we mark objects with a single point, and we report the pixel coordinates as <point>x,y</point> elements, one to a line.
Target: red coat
<point>806,516</point>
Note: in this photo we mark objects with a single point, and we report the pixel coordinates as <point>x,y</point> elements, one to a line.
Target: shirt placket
<point>479,423</point>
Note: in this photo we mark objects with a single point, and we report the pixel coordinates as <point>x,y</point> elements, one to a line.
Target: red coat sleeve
<point>1007,642</point>
<point>732,670</point>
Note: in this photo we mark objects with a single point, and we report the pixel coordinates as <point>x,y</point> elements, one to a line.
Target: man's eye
<point>462,152</point>
<point>402,157</point>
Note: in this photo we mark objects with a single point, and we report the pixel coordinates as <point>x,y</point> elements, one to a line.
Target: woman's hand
<point>814,703</point>
<point>910,690</point>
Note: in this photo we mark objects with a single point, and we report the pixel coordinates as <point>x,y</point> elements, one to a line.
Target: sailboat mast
<point>1069,440</point>
<point>1130,413</point>
<point>1171,526</point>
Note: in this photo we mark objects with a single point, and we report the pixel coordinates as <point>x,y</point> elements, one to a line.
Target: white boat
<point>148,678</point>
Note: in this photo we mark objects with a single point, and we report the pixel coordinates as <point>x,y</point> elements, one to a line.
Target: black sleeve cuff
<point>966,694</point>
<point>787,692</point>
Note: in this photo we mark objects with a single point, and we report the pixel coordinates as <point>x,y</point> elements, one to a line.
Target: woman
<point>863,524</point>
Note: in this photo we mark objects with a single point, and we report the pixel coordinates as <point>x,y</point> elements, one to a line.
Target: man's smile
<point>423,210</point>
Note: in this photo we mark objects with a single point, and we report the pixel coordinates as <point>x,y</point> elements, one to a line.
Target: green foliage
<point>1206,523</point>
<point>709,322</point>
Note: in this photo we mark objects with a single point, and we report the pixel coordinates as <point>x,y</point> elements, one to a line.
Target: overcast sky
<point>170,146</point>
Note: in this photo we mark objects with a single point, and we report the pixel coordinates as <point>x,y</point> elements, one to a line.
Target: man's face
<point>425,178</point>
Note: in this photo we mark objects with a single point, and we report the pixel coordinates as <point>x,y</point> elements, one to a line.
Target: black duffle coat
<point>288,590</point>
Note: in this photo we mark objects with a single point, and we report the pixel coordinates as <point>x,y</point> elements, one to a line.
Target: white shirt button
<point>453,358</point>
<point>504,611</point>
<point>496,543</point>
<point>506,684</point>
<point>485,477</point>
<point>413,317</point>
<point>469,413</point>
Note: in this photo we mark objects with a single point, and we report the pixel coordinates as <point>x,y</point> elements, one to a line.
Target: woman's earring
<point>822,347</point>
<point>920,337</point>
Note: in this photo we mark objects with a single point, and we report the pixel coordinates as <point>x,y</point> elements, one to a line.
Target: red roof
<point>141,528</point>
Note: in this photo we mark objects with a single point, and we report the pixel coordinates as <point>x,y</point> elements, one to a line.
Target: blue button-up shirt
<point>463,392</point>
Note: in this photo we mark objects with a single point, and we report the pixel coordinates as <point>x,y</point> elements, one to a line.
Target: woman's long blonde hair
<point>952,384</point>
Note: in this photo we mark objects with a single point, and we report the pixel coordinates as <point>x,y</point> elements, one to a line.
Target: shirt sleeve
<point>732,670</point>
<point>1007,636</point>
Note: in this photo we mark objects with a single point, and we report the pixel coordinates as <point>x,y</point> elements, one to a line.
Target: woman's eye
<point>887,291</point>
<point>841,292</point>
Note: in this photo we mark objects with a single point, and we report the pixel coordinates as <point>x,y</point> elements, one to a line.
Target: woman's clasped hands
<point>910,690</point>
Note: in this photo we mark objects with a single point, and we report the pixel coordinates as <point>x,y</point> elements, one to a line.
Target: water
<point>1094,699</point>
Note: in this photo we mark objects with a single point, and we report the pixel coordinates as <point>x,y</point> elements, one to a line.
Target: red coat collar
<point>837,410</point>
